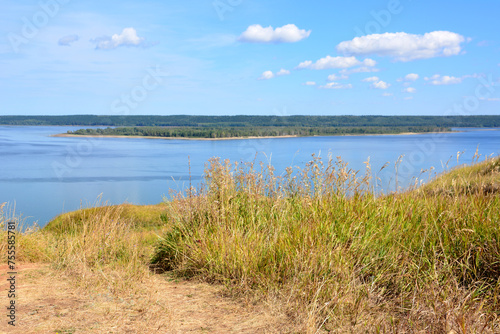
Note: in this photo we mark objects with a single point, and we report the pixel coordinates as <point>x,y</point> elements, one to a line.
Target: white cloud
<point>305,64</point>
<point>369,62</point>
<point>269,74</point>
<point>380,85</point>
<point>128,37</point>
<point>67,40</point>
<point>437,79</point>
<point>333,77</point>
<point>387,94</point>
<point>335,62</point>
<point>282,72</point>
<point>408,98</point>
<point>310,83</point>
<point>336,85</point>
<point>411,77</point>
<point>287,34</point>
<point>266,75</point>
<point>443,80</point>
<point>370,79</point>
<point>409,90</point>
<point>405,47</point>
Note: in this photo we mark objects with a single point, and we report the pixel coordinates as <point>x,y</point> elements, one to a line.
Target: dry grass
<point>49,302</point>
<point>337,257</point>
<point>96,278</point>
<point>141,216</point>
<point>31,245</point>
<point>477,179</point>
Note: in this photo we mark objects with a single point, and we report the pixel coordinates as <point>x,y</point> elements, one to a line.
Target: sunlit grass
<point>340,257</point>
<point>103,245</point>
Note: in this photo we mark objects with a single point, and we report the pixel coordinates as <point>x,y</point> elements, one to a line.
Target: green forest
<point>264,121</point>
<point>250,131</point>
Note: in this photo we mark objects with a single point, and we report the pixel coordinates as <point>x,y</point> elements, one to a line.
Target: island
<point>242,126</point>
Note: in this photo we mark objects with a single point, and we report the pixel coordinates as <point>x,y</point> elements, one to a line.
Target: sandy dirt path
<point>48,303</point>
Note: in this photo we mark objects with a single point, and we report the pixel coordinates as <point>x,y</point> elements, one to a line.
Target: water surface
<point>44,176</point>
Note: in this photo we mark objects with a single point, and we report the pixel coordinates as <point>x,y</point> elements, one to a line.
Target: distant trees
<point>216,122</point>
<point>250,131</point>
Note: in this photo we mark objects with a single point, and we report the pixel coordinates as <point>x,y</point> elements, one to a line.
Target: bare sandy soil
<point>49,303</point>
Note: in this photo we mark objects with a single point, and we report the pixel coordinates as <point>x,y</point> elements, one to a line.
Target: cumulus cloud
<point>333,77</point>
<point>369,62</point>
<point>305,64</point>
<point>335,85</point>
<point>409,90</point>
<point>282,72</point>
<point>128,37</point>
<point>266,75</point>
<point>289,33</point>
<point>67,40</point>
<point>309,83</point>
<point>269,74</point>
<point>380,85</point>
<point>370,79</point>
<point>335,62</point>
<point>408,79</point>
<point>437,80</point>
<point>403,46</point>
<point>411,77</point>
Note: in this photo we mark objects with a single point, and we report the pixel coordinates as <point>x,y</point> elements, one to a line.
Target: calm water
<point>43,176</point>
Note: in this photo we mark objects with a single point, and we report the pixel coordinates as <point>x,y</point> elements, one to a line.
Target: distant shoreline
<point>66,135</point>
<point>172,138</point>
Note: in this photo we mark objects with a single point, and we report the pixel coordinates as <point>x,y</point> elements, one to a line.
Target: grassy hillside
<point>334,256</point>
<point>427,259</point>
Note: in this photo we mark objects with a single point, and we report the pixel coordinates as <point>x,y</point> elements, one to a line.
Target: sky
<point>249,57</point>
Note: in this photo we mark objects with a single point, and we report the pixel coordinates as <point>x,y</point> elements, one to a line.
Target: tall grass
<point>103,246</point>
<point>30,244</point>
<point>100,251</point>
<point>338,257</point>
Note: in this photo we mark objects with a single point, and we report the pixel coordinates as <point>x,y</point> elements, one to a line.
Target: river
<point>42,176</point>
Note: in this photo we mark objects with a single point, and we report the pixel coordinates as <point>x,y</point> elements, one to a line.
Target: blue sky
<point>233,57</point>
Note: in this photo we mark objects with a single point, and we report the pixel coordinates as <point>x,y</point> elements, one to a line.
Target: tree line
<point>253,131</point>
<point>255,121</point>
